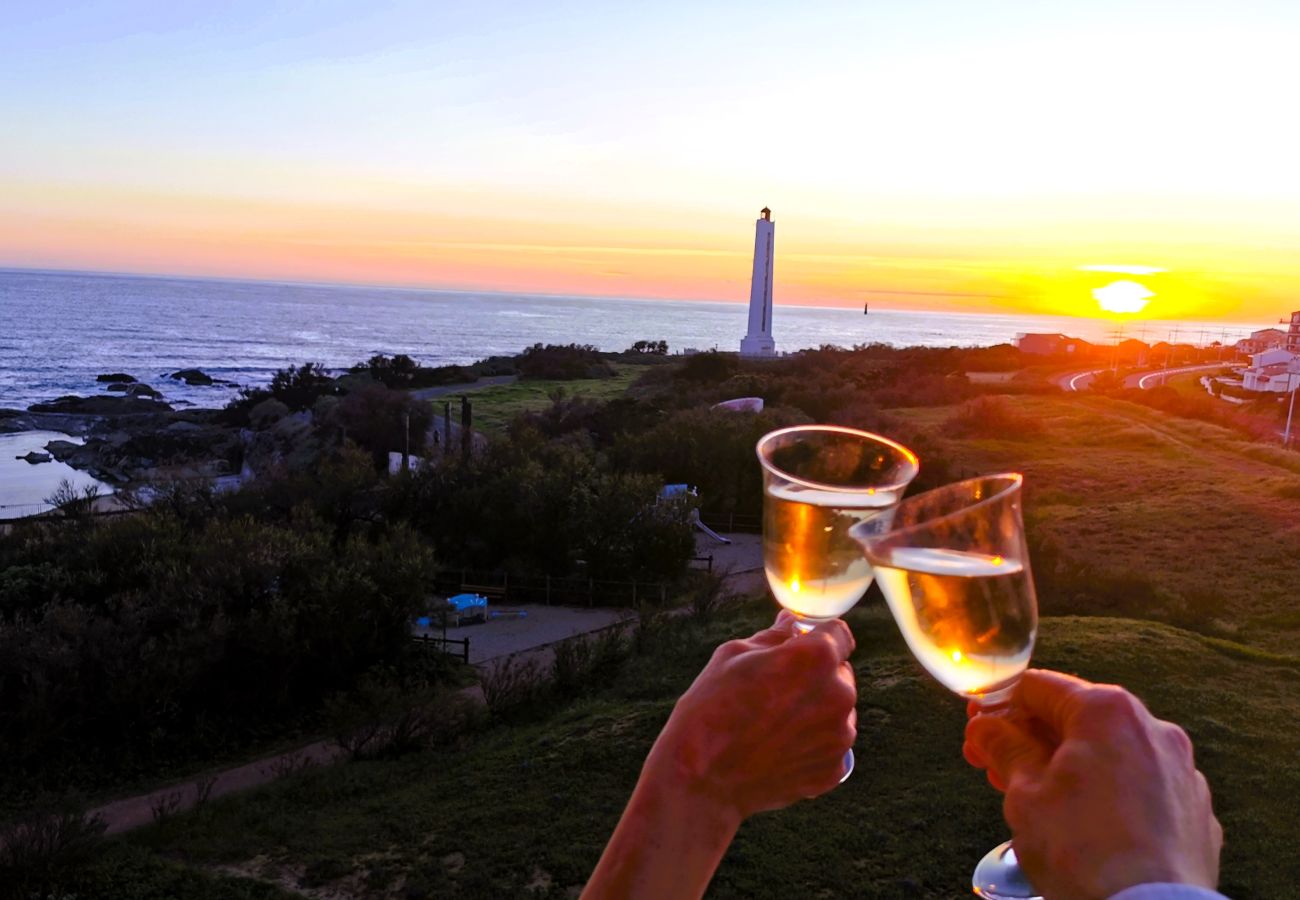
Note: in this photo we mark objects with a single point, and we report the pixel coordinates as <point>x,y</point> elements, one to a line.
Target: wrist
<point>676,779</point>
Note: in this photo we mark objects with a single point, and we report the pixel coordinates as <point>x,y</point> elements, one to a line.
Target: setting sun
<point>1123,297</point>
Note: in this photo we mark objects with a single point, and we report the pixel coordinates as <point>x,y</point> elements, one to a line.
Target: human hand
<point>1100,794</point>
<point>766,723</point>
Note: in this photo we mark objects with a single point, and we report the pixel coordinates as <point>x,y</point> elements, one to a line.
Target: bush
<point>992,417</point>
<point>39,854</point>
<point>133,642</point>
<point>388,716</point>
<point>564,362</point>
<point>589,662</point>
<point>708,594</point>
<point>512,682</point>
<point>381,420</point>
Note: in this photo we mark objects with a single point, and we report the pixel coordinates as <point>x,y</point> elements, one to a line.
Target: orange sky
<point>913,158</point>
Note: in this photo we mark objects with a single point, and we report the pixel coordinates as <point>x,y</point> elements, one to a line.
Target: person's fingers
<point>1052,697</point>
<point>1008,749</point>
<point>973,755</point>
<point>839,634</point>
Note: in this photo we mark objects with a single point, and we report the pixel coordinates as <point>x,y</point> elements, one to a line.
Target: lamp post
<point>1286,436</point>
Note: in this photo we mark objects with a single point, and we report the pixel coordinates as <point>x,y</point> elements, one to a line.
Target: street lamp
<point>1286,437</point>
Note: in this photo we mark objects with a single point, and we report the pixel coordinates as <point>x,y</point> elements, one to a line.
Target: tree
<point>382,420</point>
<point>656,348</point>
<point>298,387</point>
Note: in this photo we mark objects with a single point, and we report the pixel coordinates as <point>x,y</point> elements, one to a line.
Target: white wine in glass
<point>954,568</point>
<point>820,481</point>
<point>967,617</point>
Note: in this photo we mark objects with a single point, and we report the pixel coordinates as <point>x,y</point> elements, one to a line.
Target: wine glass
<point>818,482</point>
<point>954,569</point>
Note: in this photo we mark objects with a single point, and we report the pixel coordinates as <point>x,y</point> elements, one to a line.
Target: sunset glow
<point>907,156</point>
<point>1123,297</point>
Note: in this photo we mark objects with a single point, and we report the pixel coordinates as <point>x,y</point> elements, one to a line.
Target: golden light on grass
<point>1123,297</point>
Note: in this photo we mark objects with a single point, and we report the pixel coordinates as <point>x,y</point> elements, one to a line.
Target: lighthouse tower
<point>758,341</point>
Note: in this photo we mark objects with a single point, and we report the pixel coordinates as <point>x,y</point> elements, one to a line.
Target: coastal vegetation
<point>203,622</point>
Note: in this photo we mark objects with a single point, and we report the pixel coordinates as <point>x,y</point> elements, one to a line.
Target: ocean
<point>58,330</point>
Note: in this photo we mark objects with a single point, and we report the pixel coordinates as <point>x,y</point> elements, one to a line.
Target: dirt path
<point>464,387</point>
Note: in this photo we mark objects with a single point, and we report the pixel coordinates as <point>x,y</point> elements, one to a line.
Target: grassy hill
<point>532,803</point>
<point>1140,514</point>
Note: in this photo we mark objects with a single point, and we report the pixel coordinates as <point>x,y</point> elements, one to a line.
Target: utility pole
<point>406,442</point>
<point>1286,437</point>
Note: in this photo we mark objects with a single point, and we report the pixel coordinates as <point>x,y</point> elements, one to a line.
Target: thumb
<point>1008,750</point>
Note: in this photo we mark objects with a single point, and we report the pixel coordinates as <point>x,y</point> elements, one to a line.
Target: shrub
<point>38,854</point>
<point>993,417</point>
<point>712,367</point>
<point>564,362</point>
<point>388,716</point>
<point>382,420</point>
<point>708,594</point>
<point>512,682</point>
<point>588,662</point>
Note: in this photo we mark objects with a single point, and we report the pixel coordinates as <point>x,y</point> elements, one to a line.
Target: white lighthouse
<point>758,341</point>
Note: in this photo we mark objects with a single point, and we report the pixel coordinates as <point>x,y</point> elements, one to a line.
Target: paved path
<point>1148,380</point>
<point>1145,380</point>
<point>464,387</point>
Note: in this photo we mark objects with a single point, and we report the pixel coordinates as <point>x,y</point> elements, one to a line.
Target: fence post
<point>591,592</point>
<point>710,563</point>
<point>465,656</point>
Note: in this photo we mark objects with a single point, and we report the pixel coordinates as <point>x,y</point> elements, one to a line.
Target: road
<point>1079,381</point>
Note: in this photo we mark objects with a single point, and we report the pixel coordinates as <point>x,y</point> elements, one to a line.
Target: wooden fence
<point>748,523</point>
<point>434,642</point>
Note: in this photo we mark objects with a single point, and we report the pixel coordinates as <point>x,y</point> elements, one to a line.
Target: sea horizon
<point>881,305</point>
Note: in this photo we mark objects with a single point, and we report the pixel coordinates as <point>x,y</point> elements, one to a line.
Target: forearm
<point>666,846</point>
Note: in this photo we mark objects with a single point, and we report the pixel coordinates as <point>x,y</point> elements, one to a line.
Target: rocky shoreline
<point>132,435</point>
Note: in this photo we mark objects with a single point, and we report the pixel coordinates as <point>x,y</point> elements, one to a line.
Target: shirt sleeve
<point>1167,892</point>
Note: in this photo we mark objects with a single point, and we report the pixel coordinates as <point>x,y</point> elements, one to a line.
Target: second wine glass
<point>954,569</point>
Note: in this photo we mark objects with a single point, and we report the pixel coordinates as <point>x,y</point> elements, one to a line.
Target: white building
<point>758,341</point>
<point>1272,370</point>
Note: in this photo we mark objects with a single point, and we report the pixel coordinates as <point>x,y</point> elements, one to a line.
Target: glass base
<point>999,876</point>
<point>848,766</point>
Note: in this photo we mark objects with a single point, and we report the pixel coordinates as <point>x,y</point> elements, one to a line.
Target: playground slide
<point>695,520</point>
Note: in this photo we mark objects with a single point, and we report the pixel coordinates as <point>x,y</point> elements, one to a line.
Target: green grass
<point>495,405</point>
<point>533,803</point>
<point>1185,504</point>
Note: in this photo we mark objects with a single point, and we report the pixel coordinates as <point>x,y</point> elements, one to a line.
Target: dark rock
<point>120,377</point>
<point>63,450</point>
<point>36,457</point>
<point>192,377</point>
<point>100,406</point>
<point>117,388</point>
<point>142,390</point>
